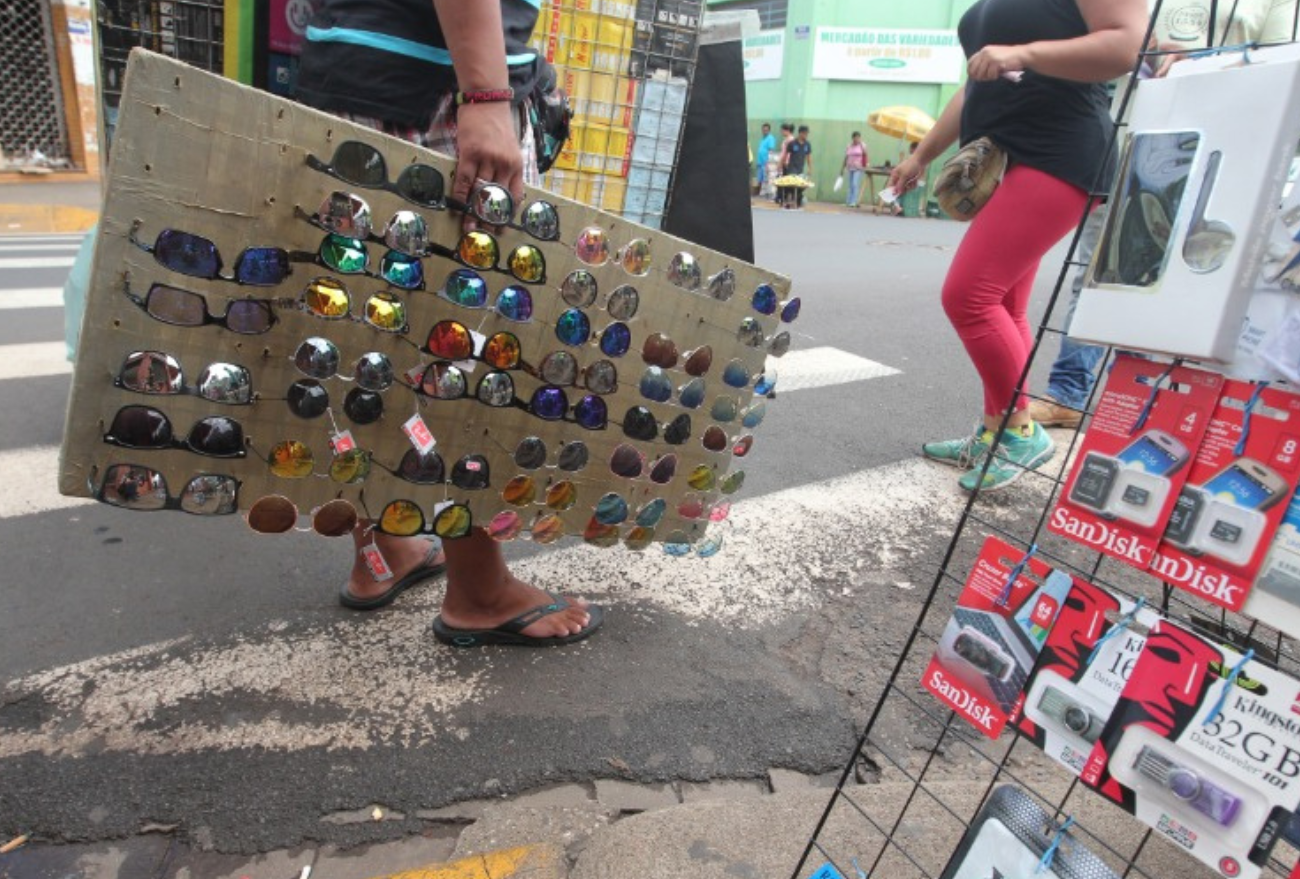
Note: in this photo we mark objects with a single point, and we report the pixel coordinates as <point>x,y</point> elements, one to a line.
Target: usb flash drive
<point>1185,784</point>
<point>982,653</point>
<point>1070,714</point>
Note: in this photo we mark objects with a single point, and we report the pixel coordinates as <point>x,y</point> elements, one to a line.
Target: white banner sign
<point>764,55</point>
<point>891,55</point>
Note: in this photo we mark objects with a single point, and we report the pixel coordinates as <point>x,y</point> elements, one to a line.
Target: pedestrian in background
<point>384,64</point>
<point>854,168</point>
<point>766,144</point>
<point>776,161</point>
<point>1036,87</point>
<point>798,162</point>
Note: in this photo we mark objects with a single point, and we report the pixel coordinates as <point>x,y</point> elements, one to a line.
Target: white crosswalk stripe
<point>35,297</point>
<point>39,262</point>
<point>33,360</point>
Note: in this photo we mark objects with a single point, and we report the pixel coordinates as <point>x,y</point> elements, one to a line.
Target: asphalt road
<point>159,669</point>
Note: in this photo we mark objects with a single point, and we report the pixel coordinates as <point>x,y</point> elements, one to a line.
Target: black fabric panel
<point>710,199</point>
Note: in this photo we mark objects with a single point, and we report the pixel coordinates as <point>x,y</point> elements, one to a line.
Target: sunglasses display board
<point>287,314</point>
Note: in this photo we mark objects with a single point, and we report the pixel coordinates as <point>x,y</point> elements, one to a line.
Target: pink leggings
<point>986,293</point>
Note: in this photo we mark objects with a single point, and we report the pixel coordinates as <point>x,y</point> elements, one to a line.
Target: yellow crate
<point>567,160</point>
<point>594,147</point>
<point>618,152</point>
<point>613,194</point>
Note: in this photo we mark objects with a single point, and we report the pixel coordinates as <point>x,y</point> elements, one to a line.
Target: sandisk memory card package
<point>996,631</point>
<point>1236,494</point>
<point>1135,456</point>
<point>1205,748</point>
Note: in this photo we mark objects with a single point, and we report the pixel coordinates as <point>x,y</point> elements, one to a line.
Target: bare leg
<point>482,593</point>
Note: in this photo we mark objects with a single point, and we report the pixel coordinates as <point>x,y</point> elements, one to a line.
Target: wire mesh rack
<point>188,30</point>
<point>919,774</point>
<point>627,68</point>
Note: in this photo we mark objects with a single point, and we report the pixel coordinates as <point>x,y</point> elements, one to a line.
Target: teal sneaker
<point>1014,456</point>
<point>961,453</point>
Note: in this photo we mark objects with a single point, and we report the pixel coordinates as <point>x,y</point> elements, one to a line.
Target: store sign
<point>764,55</point>
<point>891,55</point>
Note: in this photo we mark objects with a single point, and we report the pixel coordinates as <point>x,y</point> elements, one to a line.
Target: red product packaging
<point>1129,471</point>
<point>1084,666</point>
<point>997,629</point>
<point>1235,496</point>
<point>1203,745</point>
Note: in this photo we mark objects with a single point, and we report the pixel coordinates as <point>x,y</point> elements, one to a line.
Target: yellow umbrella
<point>907,123</point>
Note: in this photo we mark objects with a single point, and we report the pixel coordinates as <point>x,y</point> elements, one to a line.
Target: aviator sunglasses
<point>362,165</point>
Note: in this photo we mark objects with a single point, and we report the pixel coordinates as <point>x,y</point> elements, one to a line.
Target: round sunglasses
<point>293,459</point>
<point>349,256</point>
<point>492,203</point>
<point>404,518</point>
<point>276,514</point>
<point>319,358</point>
<point>466,288</point>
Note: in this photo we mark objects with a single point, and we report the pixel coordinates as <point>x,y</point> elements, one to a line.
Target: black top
<point>388,58</point>
<point>1057,126</point>
<point>798,153</point>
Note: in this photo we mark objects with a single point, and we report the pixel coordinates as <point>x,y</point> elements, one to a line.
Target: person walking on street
<point>854,168</point>
<point>798,161</point>
<point>1036,87</point>
<point>454,76</point>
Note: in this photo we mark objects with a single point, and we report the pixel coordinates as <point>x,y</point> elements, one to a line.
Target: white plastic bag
<point>839,182</point>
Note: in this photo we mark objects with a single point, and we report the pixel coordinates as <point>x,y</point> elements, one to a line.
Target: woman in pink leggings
<point>1051,116</point>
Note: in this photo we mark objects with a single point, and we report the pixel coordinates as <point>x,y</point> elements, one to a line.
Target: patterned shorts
<point>440,136</point>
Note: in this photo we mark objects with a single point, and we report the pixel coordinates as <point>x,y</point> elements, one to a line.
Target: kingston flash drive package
<point>1081,671</point>
<point>993,638</point>
<point>1210,762</point>
<point>1009,838</point>
<point>1225,517</point>
<point>1129,470</point>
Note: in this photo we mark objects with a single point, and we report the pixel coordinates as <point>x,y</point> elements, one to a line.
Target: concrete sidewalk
<point>609,830</point>
<point>53,203</point>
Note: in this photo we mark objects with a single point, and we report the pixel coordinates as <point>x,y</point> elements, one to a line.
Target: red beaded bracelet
<point>485,96</point>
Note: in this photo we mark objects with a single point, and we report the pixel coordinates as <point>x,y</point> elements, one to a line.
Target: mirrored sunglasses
<point>466,288</point>
<point>404,518</point>
<point>293,459</point>
<point>159,373</point>
<point>492,203</point>
<point>479,250</point>
<point>330,299</point>
<point>349,256</point>
<point>198,257</point>
<point>593,248</point>
<point>134,487</point>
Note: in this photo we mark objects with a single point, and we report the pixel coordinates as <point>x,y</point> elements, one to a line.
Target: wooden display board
<point>204,155</point>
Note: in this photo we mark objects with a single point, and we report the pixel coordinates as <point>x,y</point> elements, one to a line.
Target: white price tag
<point>419,435</point>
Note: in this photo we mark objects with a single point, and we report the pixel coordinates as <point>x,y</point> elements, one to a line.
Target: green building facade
<point>827,64</point>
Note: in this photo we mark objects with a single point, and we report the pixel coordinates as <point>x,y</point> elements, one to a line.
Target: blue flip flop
<point>509,633</point>
<point>426,570</point>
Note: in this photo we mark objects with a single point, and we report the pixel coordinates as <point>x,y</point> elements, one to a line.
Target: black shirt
<point>388,58</point>
<point>798,153</point>
<point>1057,126</point>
